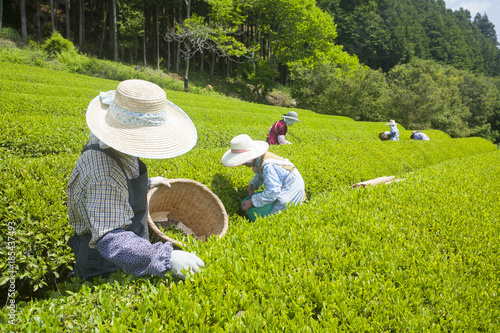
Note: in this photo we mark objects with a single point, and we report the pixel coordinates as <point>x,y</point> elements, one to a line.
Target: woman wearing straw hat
<point>283,182</point>
<point>277,132</point>
<point>394,132</point>
<point>107,190</point>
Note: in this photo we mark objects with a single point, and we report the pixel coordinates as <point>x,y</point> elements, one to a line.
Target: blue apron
<point>89,262</point>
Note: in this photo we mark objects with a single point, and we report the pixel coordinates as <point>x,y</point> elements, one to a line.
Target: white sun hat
<point>243,149</point>
<point>138,120</point>
<point>391,122</point>
<point>291,115</point>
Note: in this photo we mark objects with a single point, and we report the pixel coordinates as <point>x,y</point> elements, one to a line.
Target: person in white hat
<point>107,190</point>
<point>394,132</point>
<point>417,135</point>
<point>283,182</point>
<point>277,132</point>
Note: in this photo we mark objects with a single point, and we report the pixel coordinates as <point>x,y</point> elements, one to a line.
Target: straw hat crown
<point>391,122</point>
<point>140,96</point>
<point>243,149</point>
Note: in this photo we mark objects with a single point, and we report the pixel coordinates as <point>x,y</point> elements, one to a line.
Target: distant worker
<point>283,182</point>
<point>277,132</point>
<point>394,132</point>
<point>417,135</point>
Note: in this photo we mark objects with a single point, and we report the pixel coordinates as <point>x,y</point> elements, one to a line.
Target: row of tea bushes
<point>44,130</point>
<point>416,255</point>
<point>33,189</point>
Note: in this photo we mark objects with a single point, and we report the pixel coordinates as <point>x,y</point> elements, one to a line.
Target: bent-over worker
<point>417,135</point>
<point>277,132</point>
<point>107,190</point>
<point>282,181</point>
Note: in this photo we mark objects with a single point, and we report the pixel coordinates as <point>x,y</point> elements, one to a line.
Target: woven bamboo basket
<point>190,203</point>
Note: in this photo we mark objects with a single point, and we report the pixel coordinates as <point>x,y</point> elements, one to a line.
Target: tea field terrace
<point>420,254</point>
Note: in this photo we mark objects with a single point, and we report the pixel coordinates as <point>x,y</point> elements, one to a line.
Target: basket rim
<point>172,182</point>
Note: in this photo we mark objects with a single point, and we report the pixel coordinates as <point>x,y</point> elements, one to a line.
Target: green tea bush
<point>415,255</point>
<point>57,44</point>
<point>411,256</point>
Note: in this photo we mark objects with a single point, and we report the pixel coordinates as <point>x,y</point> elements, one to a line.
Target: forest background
<point>415,61</point>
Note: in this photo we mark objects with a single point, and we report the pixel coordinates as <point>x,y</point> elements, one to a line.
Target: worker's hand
<point>182,260</point>
<point>157,181</point>
<point>246,205</point>
<point>251,189</point>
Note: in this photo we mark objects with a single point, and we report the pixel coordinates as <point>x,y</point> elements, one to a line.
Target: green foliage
<point>416,255</point>
<point>422,95</point>
<point>57,44</point>
<point>10,34</point>
<point>387,33</point>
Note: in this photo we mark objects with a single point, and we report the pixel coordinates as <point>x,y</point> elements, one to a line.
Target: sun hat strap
<point>131,117</point>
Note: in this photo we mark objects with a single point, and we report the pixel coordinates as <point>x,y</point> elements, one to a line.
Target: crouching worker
<point>417,135</point>
<point>282,181</point>
<point>107,190</point>
<point>394,132</point>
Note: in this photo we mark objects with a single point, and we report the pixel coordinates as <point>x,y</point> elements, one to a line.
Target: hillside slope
<point>418,255</point>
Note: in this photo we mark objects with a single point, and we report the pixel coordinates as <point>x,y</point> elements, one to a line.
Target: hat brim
<point>291,118</point>
<point>230,159</point>
<point>177,136</point>
<point>391,124</point>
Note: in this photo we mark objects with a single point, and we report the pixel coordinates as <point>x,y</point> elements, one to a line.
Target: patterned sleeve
<point>272,185</point>
<point>134,254</point>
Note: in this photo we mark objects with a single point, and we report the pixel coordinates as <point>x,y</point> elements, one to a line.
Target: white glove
<point>180,260</point>
<point>157,181</point>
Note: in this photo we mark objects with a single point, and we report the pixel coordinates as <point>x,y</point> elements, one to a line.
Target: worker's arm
<point>272,184</point>
<point>134,254</point>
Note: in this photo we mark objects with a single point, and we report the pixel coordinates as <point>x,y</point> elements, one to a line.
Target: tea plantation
<point>421,254</point>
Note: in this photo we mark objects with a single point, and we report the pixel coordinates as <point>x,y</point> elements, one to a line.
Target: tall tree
<point>1,13</point>
<point>81,29</point>
<point>24,30</point>
<point>52,16</point>
<point>115,31</point>
<point>68,30</point>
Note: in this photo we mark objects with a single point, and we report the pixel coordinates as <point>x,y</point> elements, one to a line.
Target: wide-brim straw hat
<point>188,202</point>
<point>243,149</point>
<point>138,120</point>
<point>391,122</point>
<point>291,115</point>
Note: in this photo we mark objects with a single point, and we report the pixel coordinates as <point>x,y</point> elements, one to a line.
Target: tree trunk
<point>24,30</point>
<point>103,36</point>
<point>157,41</point>
<point>144,45</point>
<point>178,55</point>
<point>82,26</point>
<point>52,20</point>
<point>115,32</point>
<point>186,72</point>
<point>1,13</point>
<point>38,25</point>
<point>212,66</point>
<point>201,63</point>
<point>168,46</point>
<point>68,30</point>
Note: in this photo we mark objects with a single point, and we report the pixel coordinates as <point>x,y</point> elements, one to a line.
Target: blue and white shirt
<point>281,185</point>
